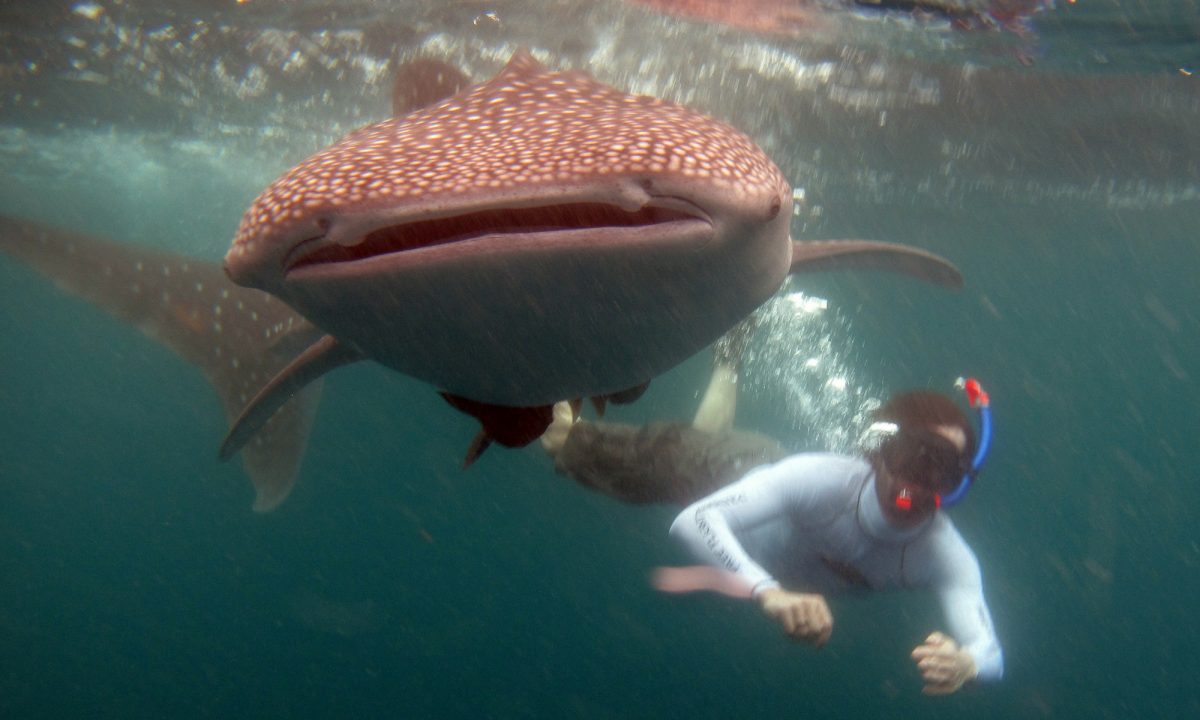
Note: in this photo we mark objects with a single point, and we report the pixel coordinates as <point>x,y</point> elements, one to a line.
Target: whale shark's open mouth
<point>525,221</point>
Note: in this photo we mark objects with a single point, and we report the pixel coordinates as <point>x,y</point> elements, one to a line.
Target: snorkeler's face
<point>918,467</point>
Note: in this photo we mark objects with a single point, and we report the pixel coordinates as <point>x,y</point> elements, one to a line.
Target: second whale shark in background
<point>536,237</point>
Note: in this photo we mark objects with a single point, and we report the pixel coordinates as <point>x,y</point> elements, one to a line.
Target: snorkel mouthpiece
<point>904,500</point>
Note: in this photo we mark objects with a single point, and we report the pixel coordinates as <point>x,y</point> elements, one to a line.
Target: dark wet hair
<point>917,414</point>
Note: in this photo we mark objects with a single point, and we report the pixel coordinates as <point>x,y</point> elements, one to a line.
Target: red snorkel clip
<point>976,396</point>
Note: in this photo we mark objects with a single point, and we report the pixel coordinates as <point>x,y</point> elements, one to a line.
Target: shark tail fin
<point>237,337</point>
<point>821,255</point>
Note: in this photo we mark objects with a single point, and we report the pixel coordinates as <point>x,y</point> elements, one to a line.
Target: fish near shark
<point>238,337</point>
<point>535,237</point>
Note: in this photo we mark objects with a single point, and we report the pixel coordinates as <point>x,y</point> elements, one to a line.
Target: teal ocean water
<point>136,582</point>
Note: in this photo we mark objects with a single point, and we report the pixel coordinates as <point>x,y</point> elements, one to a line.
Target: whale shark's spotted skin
<point>527,130</point>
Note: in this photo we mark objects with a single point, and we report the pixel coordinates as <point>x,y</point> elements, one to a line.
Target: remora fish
<point>535,237</point>
<point>238,337</point>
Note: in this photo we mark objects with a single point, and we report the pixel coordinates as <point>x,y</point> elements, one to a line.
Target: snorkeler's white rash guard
<point>812,523</point>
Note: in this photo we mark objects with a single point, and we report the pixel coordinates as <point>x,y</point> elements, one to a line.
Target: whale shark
<point>506,290</point>
<point>535,237</point>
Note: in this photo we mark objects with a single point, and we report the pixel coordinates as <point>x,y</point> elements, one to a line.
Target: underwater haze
<point>1054,158</point>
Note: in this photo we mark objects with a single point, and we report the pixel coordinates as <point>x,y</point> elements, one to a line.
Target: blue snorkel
<point>979,400</point>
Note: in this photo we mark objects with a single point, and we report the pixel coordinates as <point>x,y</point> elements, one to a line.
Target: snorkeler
<point>787,530</point>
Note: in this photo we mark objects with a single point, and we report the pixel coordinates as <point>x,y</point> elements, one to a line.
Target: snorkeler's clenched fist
<point>805,617</point>
<point>943,664</point>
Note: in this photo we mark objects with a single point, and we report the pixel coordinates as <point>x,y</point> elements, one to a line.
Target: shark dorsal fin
<point>421,82</point>
<point>522,64</point>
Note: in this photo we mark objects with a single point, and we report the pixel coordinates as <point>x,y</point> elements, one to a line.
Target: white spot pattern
<point>525,127</point>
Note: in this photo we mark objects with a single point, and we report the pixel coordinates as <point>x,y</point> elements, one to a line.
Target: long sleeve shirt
<point>812,523</point>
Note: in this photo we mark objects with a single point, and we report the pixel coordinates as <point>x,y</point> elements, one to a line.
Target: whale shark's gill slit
<point>457,228</point>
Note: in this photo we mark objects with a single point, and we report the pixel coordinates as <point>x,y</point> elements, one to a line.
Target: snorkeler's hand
<point>804,617</point>
<point>943,664</point>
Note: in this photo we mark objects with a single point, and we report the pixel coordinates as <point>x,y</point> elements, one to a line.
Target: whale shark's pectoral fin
<point>820,255</point>
<point>322,356</point>
<point>509,426</point>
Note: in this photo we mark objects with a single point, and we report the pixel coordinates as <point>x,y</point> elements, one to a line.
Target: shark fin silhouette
<point>239,338</point>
